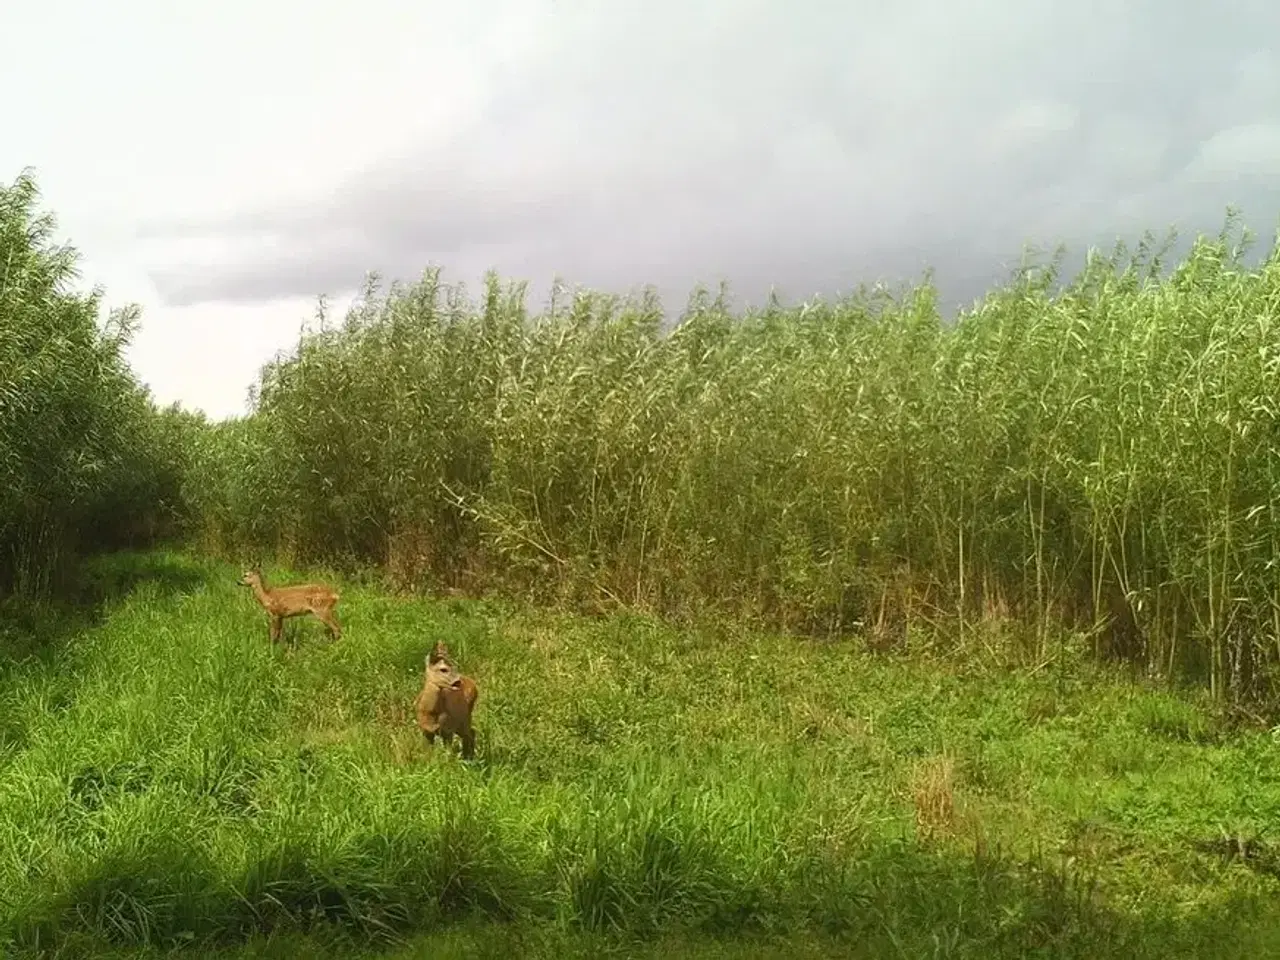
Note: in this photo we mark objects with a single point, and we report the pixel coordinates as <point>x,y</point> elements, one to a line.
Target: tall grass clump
<point>86,461</point>
<point>1099,455</point>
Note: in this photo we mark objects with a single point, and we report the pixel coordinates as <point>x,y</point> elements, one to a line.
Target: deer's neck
<point>430,697</point>
<point>260,592</point>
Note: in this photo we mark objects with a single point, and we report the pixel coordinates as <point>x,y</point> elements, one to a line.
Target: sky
<point>223,165</point>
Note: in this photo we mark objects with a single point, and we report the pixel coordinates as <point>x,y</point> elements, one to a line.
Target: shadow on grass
<point>38,629</point>
<point>114,576</point>
<point>894,899</point>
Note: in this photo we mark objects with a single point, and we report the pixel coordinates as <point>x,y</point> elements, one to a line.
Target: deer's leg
<point>331,621</point>
<point>276,624</point>
<point>468,744</point>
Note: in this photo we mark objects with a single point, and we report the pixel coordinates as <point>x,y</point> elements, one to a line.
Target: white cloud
<point>1033,122</point>
<point>1249,150</point>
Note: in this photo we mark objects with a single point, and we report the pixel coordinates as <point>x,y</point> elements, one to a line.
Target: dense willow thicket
<point>86,460</point>
<point>1100,455</point>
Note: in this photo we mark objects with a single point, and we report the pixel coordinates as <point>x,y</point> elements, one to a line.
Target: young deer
<point>444,706</point>
<point>293,601</point>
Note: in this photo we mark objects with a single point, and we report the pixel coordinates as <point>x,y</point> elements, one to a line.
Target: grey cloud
<point>804,147</point>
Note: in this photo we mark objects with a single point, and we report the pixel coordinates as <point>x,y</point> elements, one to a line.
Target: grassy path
<point>169,780</point>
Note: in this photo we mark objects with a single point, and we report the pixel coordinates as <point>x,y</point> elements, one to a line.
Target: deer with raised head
<point>444,706</point>
<point>280,603</point>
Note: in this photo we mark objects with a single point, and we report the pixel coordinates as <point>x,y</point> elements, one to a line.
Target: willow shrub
<point>1099,456</point>
<point>86,461</point>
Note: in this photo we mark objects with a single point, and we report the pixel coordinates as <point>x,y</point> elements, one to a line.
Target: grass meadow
<point>170,780</point>
<point>834,629</point>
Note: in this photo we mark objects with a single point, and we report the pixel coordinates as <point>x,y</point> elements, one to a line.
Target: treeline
<point>87,462</point>
<point>1101,455</point>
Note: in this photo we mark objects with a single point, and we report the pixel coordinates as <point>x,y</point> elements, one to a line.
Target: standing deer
<point>293,601</point>
<point>444,706</point>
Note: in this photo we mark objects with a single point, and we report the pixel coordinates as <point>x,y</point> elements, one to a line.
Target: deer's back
<point>302,596</point>
<point>466,694</point>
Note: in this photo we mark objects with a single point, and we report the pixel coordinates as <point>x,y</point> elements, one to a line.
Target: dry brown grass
<point>933,789</point>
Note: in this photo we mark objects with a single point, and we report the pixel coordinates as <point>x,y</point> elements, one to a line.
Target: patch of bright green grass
<point>170,780</point>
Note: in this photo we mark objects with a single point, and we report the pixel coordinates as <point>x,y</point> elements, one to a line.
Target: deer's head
<point>440,672</point>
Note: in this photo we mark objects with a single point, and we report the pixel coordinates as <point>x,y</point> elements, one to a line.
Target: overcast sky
<point>223,164</point>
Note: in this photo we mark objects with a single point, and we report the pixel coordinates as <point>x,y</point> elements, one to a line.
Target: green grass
<point>168,780</point>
